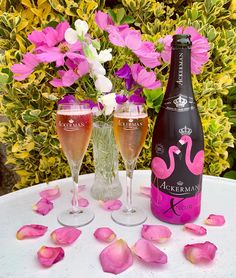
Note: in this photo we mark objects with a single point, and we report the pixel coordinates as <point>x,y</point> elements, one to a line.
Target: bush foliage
<point>29,133</point>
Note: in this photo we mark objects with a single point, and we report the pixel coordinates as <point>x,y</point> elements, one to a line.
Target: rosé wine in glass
<point>74,129</point>
<point>130,125</point>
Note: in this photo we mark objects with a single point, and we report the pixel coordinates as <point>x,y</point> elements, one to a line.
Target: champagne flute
<point>74,129</point>
<point>130,129</point>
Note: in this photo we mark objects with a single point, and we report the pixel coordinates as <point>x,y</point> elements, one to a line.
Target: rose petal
<point>31,231</point>
<point>43,206</point>
<point>50,194</point>
<point>104,234</point>
<point>82,202</point>
<point>48,256</point>
<point>157,233</point>
<point>65,235</point>
<point>148,252</point>
<point>145,190</point>
<point>111,204</point>
<point>195,229</point>
<point>116,257</point>
<point>215,220</point>
<point>200,252</point>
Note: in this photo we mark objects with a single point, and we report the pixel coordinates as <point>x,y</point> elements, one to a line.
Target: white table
<point>18,258</point>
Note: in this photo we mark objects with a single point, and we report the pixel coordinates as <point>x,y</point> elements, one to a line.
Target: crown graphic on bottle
<point>180,183</point>
<point>71,121</point>
<point>180,102</point>
<point>185,131</point>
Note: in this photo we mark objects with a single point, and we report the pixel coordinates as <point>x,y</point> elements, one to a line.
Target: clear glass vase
<point>106,184</point>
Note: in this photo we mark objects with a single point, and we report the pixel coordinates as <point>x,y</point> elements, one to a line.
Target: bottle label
<point>179,103</point>
<point>177,169</point>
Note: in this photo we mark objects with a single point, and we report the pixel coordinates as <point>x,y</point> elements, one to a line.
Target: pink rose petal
<point>116,257</point>
<point>200,252</point>
<point>48,256</point>
<point>43,206</point>
<point>82,202</point>
<point>157,233</point>
<point>65,235</point>
<point>111,204</point>
<point>195,229</point>
<point>104,234</point>
<point>145,190</point>
<point>50,194</point>
<point>31,231</point>
<point>215,220</point>
<point>148,252</point>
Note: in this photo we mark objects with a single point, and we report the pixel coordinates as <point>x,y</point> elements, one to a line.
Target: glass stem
<point>129,165</point>
<point>75,168</point>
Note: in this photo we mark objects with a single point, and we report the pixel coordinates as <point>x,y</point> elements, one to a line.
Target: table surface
<point>18,257</point>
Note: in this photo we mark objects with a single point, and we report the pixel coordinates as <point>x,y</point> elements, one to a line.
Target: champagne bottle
<point>177,144</point>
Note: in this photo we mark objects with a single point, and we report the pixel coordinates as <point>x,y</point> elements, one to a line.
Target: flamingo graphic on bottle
<point>159,166</point>
<point>195,166</point>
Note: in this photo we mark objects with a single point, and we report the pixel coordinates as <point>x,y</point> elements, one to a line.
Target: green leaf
<point>230,175</point>
<point>3,78</point>
<point>153,94</point>
<point>45,113</point>
<point>35,112</point>
<point>120,15</point>
<point>112,15</point>
<point>194,14</point>
<point>26,117</point>
<point>128,20</point>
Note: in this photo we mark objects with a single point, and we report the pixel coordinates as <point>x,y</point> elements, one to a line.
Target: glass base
<point>132,217</point>
<point>75,219</point>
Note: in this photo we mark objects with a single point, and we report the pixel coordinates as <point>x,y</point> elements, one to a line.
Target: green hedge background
<point>29,131</point>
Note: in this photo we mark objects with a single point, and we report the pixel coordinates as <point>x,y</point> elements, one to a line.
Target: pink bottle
<point>177,144</point>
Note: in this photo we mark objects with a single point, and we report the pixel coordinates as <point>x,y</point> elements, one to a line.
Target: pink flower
<point>58,53</point>
<point>43,206</point>
<point>49,36</point>
<point>111,204</point>
<point>31,231</point>
<point>65,235</point>
<point>146,79</point>
<point>47,256</point>
<point>148,252</point>
<point>77,68</point>
<point>200,252</point>
<point>157,233</point>
<point>117,34</point>
<point>199,50</point>
<point>147,54</point>
<point>166,52</point>
<point>23,70</point>
<point>50,194</point>
<point>116,257</point>
<point>215,220</point>
<point>195,229</point>
<point>103,20</point>
<point>104,234</point>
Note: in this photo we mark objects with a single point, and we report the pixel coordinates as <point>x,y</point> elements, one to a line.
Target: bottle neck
<point>180,73</point>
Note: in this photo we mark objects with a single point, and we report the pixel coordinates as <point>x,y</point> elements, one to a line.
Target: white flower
<point>103,84</point>
<point>109,102</point>
<point>105,55</point>
<point>91,53</point>
<point>81,29</point>
<point>96,68</point>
